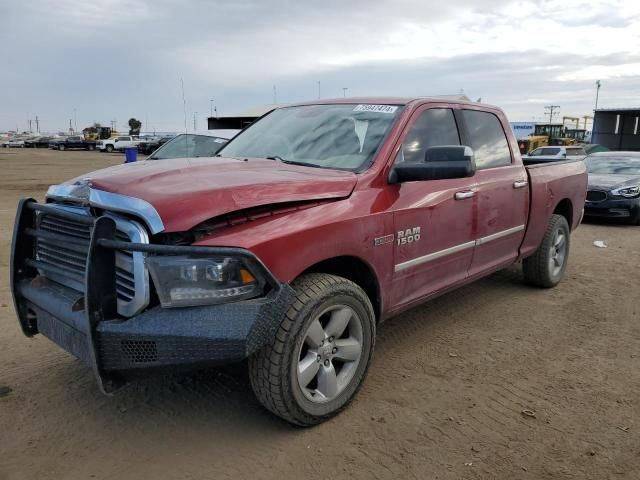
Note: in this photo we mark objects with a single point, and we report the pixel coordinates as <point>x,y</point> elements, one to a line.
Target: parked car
<point>118,143</point>
<point>38,142</point>
<point>149,145</point>
<point>312,226</point>
<point>74,142</point>
<point>14,143</point>
<point>614,186</point>
<point>193,145</point>
<point>555,154</point>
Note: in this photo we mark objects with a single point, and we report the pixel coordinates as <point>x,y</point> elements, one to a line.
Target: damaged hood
<point>188,191</point>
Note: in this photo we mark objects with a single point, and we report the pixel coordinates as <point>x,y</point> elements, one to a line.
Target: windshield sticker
<point>375,108</point>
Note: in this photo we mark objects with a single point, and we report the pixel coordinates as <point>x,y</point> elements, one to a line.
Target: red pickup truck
<point>309,228</point>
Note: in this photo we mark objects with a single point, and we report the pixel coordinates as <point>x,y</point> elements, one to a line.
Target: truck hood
<point>188,191</point>
<point>610,182</point>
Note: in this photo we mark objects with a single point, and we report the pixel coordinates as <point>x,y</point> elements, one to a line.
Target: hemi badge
<point>383,240</point>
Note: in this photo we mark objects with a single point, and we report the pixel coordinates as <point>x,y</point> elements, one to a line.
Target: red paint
<point>365,206</point>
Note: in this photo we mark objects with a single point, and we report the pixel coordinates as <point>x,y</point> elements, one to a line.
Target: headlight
<point>184,281</point>
<point>628,192</point>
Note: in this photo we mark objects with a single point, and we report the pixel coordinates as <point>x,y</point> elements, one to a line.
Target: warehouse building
<point>617,128</point>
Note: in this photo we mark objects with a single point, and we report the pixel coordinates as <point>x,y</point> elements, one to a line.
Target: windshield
<point>613,165</point>
<point>341,136</point>
<point>189,145</point>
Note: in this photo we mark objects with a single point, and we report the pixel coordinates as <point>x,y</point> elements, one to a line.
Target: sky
<point>116,59</point>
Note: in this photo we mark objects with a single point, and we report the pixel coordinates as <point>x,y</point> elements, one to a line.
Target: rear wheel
<point>320,355</point>
<point>547,265</point>
<point>61,147</point>
<point>109,148</point>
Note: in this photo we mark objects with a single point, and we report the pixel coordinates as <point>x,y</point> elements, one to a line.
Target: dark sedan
<point>614,186</point>
<point>148,146</point>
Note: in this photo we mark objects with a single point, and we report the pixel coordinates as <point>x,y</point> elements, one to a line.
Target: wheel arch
<point>358,271</point>
<point>565,208</point>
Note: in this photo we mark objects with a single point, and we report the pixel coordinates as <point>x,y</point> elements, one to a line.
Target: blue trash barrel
<point>130,154</point>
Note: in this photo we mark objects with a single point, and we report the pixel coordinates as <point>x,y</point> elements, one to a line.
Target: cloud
<point>120,58</point>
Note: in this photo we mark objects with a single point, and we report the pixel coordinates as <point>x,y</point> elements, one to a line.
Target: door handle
<point>464,194</point>
<point>520,184</point>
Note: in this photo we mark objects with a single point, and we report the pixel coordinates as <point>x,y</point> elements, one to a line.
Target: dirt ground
<point>444,398</point>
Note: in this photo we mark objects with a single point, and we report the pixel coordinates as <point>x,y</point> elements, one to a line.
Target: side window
<point>434,127</point>
<point>487,138</point>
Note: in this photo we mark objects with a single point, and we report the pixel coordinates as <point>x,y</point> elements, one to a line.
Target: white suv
<point>556,153</point>
<point>118,143</point>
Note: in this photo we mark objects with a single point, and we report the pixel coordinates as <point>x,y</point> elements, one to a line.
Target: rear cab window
<point>487,138</point>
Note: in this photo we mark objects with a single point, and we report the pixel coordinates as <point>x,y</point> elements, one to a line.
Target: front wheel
<point>319,357</point>
<point>547,265</point>
<point>61,147</point>
<point>91,148</point>
<point>109,148</point>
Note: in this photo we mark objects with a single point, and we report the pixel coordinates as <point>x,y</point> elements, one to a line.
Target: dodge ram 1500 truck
<point>288,249</point>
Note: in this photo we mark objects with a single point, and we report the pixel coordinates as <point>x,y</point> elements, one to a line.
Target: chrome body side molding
<point>457,248</point>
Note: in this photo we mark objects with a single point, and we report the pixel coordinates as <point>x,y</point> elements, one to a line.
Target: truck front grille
<point>66,261</point>
<point>596,195</point>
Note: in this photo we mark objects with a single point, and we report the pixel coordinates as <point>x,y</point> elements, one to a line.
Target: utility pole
<point>37,124</point>
<point>344,91</point>
<point>275,95</point>
<point>75,120</point>
<point>70,126</point>
<point>211,106</point>
<point>195,124</point>
<point>319,96</point>
<point>550,109</point>
<point>597,93</point>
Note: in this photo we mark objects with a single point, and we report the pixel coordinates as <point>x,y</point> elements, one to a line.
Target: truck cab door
<point>433,220</point>
<point>502,191</point>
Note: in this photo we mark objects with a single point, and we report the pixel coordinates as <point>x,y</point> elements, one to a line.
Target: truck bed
<point>552,186</point>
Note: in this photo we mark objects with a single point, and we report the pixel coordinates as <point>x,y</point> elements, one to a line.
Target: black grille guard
<point>100,300</point>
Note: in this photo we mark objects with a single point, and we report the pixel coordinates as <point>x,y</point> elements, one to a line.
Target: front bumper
<point>86,323</point>
<point>628,208</point>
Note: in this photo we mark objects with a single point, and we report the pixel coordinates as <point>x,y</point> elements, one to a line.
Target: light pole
<point>597,93</point>
<point>211,106</point>
<point>344,91</point>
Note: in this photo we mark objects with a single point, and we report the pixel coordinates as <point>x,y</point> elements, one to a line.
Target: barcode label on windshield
<point>375,108</point>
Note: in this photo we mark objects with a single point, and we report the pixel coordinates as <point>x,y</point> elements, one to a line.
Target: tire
<point>321,300</point>
<point>547,265</point>
<point>61,147</point>
<point>108,148</point>
<point>91,148</point>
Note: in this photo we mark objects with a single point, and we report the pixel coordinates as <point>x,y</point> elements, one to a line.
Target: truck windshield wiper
<point>292,162</point>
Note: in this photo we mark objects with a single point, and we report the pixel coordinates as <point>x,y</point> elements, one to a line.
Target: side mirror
<point>442,162</point>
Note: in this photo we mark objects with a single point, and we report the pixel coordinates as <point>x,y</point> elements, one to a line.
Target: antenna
<point>184,105</point>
